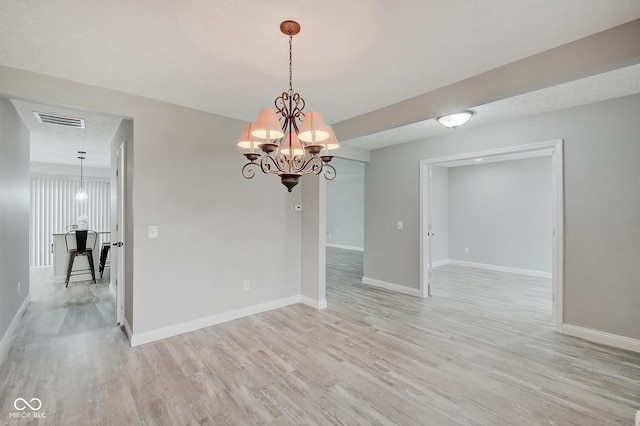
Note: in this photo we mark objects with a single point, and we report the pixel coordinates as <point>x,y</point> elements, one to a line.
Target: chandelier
<point>286,141</point>
<point>81,195</point>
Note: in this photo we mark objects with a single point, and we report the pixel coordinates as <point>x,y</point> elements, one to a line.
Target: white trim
<point>602,337</point>
<point>318,304</point>
<point>7,339</point>
<point>127,328</point>
<point>499,268</point>
<point>391,286</point>
<point>185,327</point>
<point>340,246</point>
<point>441,263</point>
<point>557,256</point>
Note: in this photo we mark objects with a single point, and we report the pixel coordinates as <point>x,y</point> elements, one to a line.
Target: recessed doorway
<point>427,211</point>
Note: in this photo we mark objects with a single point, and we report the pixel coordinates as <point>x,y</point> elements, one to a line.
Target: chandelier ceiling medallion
<point>292,143</point>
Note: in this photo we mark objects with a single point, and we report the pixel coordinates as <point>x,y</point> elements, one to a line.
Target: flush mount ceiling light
<point>288,151</point>
<point>81,195</point>
<point>456,119</point>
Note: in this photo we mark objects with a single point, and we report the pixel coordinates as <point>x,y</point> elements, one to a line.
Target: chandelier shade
<point>247,140</point>
<point>287,141</point>
<point>292,145</point>
<point>267,125</point>
<point>313,128</point>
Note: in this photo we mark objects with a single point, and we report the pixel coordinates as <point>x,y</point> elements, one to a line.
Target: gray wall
<point>602,206</point>
<point>184,177</point>
<point>501,211</point>
<point>14,214</point>
<point>439,213</point>
<point>345,205</point>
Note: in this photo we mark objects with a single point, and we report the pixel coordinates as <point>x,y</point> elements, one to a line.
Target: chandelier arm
<point>330,173</point>
<point>310,165</point>
<point>249,173</point>
<point>266,162</point>
<point>298,163</point>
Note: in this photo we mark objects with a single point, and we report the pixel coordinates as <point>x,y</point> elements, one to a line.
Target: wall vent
<point>60,120</point>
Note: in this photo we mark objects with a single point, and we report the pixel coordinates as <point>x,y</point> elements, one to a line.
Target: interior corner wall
<point>184,176</point>
<point>502,212</point>
<point>312,249</point>
<point>345,205</point>
<point>601,205</point>
<point>14,214</point>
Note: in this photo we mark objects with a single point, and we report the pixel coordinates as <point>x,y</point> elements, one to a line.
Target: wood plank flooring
<point>481,351</point>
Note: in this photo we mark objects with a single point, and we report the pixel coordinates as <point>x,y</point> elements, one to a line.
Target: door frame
<point>557,274</point>
<point>118,247</point>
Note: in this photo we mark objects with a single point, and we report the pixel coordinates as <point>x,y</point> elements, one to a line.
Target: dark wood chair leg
<point>93,271</point>
<point>71,259</point>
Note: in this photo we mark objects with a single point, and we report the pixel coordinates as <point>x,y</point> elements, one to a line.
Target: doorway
<point>345,224</point>
<point>427,202</point>
<point>55,177</point>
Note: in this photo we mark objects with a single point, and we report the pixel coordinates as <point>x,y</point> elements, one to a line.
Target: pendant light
<point>81,195</point>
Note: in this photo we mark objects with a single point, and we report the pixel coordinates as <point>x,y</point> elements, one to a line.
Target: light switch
<point>153,232</point>
<point>400,224</point>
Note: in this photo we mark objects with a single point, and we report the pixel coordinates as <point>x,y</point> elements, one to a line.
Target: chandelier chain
<point>290,63</point>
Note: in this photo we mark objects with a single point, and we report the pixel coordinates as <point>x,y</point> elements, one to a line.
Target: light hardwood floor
<point>481,351</point>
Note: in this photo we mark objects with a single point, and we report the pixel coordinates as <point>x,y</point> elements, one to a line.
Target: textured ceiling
<point>60,144</point>
<point>228,57</point>
<point>609,85</point>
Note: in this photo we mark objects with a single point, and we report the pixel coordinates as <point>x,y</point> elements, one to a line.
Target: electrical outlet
<point>466,250</point>
<point>400,225</point>
<point>19,286</point>
<point>247,285</point>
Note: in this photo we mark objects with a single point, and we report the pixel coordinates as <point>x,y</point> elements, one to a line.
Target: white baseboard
<point>602,337</point>
<point>340,246</point>
<point>441,263</point>
<point>185,327</point>
<point>318,304</point>
<point>392,286</point>
<point>7,339</point>
<point>498,268</point>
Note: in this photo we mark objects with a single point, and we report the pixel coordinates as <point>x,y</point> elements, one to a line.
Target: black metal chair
<point>105,259</point>
<point>81,249</point>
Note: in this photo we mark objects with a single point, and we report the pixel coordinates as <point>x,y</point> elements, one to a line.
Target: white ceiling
<point>51,143</point>
<point>351,58</point>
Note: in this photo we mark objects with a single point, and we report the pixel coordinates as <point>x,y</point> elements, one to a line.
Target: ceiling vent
<point>45,118</point>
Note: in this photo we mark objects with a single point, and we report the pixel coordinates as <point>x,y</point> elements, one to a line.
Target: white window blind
<point>54,206</point>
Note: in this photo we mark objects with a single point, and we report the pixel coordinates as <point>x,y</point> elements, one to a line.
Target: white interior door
<point>118,245</point>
